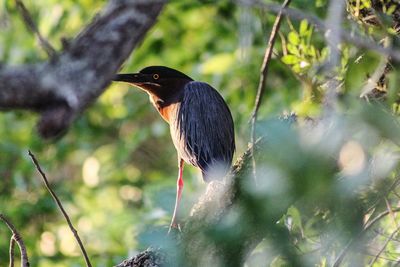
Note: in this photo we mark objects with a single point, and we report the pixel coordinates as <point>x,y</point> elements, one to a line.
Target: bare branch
<point>60,206</point>
<point>334,34</point>
<point>367,226</point>
<point>263,78</point>
<point>379,217</point>
<point>333,37</point>
<point>389,209</point>
<point>11,251</point>
<point>18,239</point>
<point>384,246</point>
<point>31,25</point>
<point>377,79</point>
<point>63,87</point>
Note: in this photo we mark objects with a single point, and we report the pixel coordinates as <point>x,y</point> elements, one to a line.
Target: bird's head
<point>160,81</point>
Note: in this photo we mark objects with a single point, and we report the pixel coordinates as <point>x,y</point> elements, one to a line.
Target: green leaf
<point>360,70</point>
<point>311,51</point>
<point>303,27</point>
<point>290,59</point>
<point>293,49</point>
<point>294,38</point>
<point>294,213</point>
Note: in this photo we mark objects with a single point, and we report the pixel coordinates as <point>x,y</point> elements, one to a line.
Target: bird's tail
<point>216,172</point>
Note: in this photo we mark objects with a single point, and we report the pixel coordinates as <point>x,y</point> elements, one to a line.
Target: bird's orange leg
<point>179,188</point>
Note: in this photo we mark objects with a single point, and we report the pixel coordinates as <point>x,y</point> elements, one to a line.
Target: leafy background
<point>115,169</point>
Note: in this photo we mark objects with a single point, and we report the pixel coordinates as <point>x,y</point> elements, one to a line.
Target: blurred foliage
<point>115,169</point>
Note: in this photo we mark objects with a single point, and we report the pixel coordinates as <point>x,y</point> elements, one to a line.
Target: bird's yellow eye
<point>156,76</point>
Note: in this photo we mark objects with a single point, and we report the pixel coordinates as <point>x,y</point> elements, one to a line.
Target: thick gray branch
<point>64,86</point>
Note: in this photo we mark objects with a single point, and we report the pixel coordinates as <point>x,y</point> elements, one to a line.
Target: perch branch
<point>149,257</point>
<point>263,78</point>
<point>18,239</point>
<point>63,87</point>
<point>31,25</point>
<point>211,206</point>
<point>60,206</point>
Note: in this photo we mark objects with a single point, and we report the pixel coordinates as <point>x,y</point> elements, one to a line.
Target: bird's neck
<point>167,105</point>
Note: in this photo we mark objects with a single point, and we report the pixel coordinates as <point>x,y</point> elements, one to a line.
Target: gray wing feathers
<point>204,129</point>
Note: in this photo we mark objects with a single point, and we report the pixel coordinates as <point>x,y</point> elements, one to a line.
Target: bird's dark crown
<point>165,72</point>
<point>161,82</point>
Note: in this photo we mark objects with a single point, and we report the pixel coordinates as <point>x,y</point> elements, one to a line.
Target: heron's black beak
<point>133,78</point>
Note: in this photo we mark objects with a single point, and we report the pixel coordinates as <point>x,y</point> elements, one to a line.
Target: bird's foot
<point>175,226</point>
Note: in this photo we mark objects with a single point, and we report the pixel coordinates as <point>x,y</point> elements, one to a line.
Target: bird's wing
<point>204,133</point>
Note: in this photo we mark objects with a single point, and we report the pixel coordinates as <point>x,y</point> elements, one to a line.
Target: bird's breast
<point>165,112</point>
<point>162,108</point>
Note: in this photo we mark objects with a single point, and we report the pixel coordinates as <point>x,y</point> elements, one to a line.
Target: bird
<point>201,124</point>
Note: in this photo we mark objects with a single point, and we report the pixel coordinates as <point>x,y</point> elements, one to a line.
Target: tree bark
<point>64,86</point>
<point>229,221</point>
<point>212,208</point>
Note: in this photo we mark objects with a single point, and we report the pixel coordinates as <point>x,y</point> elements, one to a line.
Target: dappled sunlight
<point>131,193</point>
<point>48,244</point>
<point>352,159</point>
<point>85,225</point>
<point>67,242</point>
<point>90,172</point>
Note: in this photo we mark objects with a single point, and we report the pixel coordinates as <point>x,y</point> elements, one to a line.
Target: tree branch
<point>263,79</point>
<point>63,87</point>
<point>333,36</point>
<point>61,208</point>
<point>209,209</point>
<point>151,257</point>
<point>11,251</point>
<point>18,239</point>
<point>31,25</point>
<point>367,226</point>
<point>390,238</point>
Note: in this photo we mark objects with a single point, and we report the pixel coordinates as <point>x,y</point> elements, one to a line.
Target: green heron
<point>200,122</point>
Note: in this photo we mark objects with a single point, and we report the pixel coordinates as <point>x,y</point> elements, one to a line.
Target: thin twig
<point>263,79</point>
<point>30,24</point>
<point>18,239</point>
<point>391,188</point>
<point>60,206</point>
<point>381,257</point>
<point>396,194</point>
<point>384,246</point>
<point>378,217</point>
<point>367,226</point>
<point>389,209</point>
<point>11,251</point>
